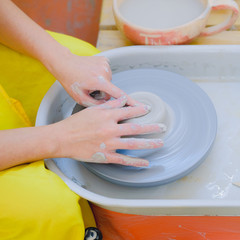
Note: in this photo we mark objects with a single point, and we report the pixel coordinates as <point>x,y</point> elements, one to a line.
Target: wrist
<point>55,145</point>
<point>23,145</point>
<point>55,59</point>
<point>49,141</point>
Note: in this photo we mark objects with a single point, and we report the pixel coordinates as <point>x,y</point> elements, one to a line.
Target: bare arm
<point>74,137</point>
<point>24,145</point>
<point>22,34</point>
<point>78,75</point>
<point>81,137</point>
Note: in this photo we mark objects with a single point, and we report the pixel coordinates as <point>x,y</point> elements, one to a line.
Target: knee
<point>39,199</point>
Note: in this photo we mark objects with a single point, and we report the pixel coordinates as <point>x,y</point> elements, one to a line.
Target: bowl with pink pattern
<point>161,22</point>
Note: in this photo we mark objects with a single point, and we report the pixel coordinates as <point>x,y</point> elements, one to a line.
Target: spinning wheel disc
<point>187,142</point>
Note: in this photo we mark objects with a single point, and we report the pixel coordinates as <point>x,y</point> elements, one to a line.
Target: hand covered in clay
<point>94,134</point>
<point>81,76</point>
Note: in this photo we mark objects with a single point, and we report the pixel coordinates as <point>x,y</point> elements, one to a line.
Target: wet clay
<point>161,14</point>
<point>159,113</point>
<point>185,146</point>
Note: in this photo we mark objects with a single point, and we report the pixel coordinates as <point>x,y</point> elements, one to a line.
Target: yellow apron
<point>34,202</point>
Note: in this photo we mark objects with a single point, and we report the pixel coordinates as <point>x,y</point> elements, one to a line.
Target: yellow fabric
<point>34,202</point>
<point>11,113</point>
<point>26,80</point>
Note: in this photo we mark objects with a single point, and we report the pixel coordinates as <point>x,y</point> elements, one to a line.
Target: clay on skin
<point>147,143</point>
<point>76,88</point>
<point>99,157</point>
<point>129,160</point>
<point>102,145</point>
<point>98,95</point>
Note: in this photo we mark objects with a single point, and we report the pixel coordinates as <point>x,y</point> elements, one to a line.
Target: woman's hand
<point>79,75</point>
<point>94,134</point>
<point>91,135</point>
<point>82,76</point>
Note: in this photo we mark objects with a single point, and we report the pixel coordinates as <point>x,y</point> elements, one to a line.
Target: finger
<point>126,129</point>
<point>126,160</point>
<point>101,81</point>
<point>138,143</point>
<point>77,91</point>
<point>131,112</point>
<point>88,101</point>
<point>107,97</point>
<point>116,92</point>
<point>116,103</point>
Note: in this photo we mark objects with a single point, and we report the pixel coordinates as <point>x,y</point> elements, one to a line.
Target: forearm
<point>22,34</point>
<point>25,145</point>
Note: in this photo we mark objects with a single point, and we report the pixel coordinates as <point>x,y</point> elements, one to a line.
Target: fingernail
<point>148,108</point>
<point>163,127</point>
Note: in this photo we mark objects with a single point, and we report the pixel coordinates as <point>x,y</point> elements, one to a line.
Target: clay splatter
<point>102,145</point>
<point>137,162</point>
<point>102,79</point>
<point>144,143</point>
<point>163,127</point>
<point>99,157</point>
<point>106,69</point>
<point>148,108</point>
<point>76,88</point>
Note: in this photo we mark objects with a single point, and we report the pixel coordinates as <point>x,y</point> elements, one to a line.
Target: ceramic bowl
<point>151,22</point>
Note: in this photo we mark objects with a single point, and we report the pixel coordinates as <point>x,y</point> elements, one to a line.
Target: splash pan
<point>187,142</point>
<point>210,188</point>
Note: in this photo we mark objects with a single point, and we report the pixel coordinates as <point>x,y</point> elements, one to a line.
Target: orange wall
<point>78,18</point>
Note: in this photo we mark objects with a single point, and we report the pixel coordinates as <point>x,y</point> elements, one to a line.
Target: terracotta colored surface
<point>78,18</point>
<point>120,226</point>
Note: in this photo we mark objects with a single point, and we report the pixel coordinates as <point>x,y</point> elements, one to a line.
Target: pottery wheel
<point>186,143</point>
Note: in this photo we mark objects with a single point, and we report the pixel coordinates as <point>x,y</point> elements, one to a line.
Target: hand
<point>81,76</point>
<point>94,134</point>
